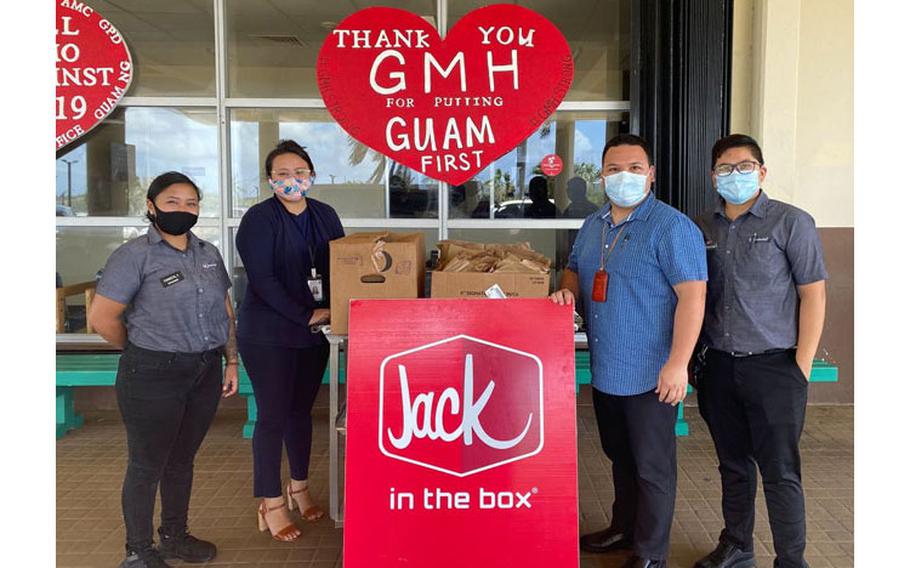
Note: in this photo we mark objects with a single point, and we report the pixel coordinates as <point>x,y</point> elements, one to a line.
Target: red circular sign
<point>94,70</point>
<point>551,165</point>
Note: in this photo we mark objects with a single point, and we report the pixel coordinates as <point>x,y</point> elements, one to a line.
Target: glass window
<point>273,44</point>
<point>514,187</point>
<point>82,253</point>
<point>412,194</point>
<point>109,170</point>
<point>172,43</point>
<point>598,34</point>
<point>349,176</point>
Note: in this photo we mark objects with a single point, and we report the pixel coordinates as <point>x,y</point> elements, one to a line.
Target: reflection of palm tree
<point>358,153</point>
<point>587,171</point>
<point>546,128</point>
<point>404,173</point>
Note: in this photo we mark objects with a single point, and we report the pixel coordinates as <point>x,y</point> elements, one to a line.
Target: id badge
<point>314,283</point>
<point>599,290</point>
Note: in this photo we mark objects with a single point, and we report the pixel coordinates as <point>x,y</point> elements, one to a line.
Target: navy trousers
<point>755,408</point>
<point>285,382</point>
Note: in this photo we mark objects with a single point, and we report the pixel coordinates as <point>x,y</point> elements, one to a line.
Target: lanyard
<point>307,242</point>
<point>603,236</point>
<point>312,256</point>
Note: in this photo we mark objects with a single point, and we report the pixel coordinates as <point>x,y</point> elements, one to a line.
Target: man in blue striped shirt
<point>640,265</point>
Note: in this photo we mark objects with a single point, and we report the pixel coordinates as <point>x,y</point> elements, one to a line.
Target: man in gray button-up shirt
<point>763,321</point>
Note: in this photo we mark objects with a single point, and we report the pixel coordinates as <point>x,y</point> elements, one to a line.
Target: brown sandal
<point>286,534</point>
<point>311,514</point>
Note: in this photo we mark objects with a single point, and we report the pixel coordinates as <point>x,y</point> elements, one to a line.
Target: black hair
<point>577,189</point>
<point>164,181</point>
<point>626,139</point>
<point>287,147</point>
<point>538,189</point>
<point>736,141</point>
<point>537,182</point>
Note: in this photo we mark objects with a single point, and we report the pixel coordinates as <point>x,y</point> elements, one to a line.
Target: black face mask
<point>174,222</point>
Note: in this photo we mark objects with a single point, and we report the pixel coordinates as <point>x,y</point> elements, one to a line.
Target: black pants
<point>755,408</point>
<point>285,382</point>
<point>167,401</point>
<point>638,435</point>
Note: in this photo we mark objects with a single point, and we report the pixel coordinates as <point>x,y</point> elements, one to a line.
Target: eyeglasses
<point>744,167</point>
<point>298,173</point>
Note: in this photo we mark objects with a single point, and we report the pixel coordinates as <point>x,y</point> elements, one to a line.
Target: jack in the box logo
<point>461,405</point>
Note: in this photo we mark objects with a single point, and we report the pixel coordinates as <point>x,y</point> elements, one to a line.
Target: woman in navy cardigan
<point>284,244</point>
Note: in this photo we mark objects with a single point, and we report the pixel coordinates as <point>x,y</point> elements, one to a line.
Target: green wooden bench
<point>100,370</point>
<point>822,372</point>
<point>245,389</point>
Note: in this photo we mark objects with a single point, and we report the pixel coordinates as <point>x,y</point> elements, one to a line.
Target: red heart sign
<point>94,70</point>
<point>446,108</point>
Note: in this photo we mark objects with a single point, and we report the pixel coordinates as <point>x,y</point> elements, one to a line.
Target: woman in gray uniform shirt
<point>163,298</point>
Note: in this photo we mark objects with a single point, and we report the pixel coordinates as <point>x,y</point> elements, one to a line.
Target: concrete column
<point>775,91</point>
<point>565,149</point>
<point>268,138</point>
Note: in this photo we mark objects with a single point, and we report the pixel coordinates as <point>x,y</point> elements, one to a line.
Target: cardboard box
<point>473,284</point>
<point>374,265</point>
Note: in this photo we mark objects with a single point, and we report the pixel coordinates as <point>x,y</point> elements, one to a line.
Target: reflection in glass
<point>470,200</point>
<point>580,206</point>
<point>349,176</point>
<point>172,43</point>
<point>411,194</point>
<point>109,170</point>
<point>578,138</point>
<point>598,35</point>
<point>540,206</point>
<point>272,45</point>
<point>83,251</point>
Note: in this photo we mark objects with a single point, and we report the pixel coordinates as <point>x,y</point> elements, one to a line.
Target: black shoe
<point>606,540</point>
<point>638,562</point>
<point>186,547</point>
<point>148,558</point>
<point>727,555</point>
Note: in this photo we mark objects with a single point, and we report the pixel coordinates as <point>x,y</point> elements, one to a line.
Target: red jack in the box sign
<point>461,434</point>
<point>461,429</point>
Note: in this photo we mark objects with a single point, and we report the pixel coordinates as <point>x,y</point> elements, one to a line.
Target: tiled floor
<point>90,465</point>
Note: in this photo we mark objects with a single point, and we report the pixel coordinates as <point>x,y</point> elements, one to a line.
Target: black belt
<point>174,355</point>
<point>739,354</point>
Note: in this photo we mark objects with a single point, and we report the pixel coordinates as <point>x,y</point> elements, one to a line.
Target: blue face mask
<point>738,188</point>
<point>626,189</point>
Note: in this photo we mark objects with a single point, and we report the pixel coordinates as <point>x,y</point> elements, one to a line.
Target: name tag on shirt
<point>756,239</point>
<point>172,279</point>
<point>314,283</point>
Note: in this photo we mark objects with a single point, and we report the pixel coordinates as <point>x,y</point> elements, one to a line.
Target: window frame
<point>222,104</point>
